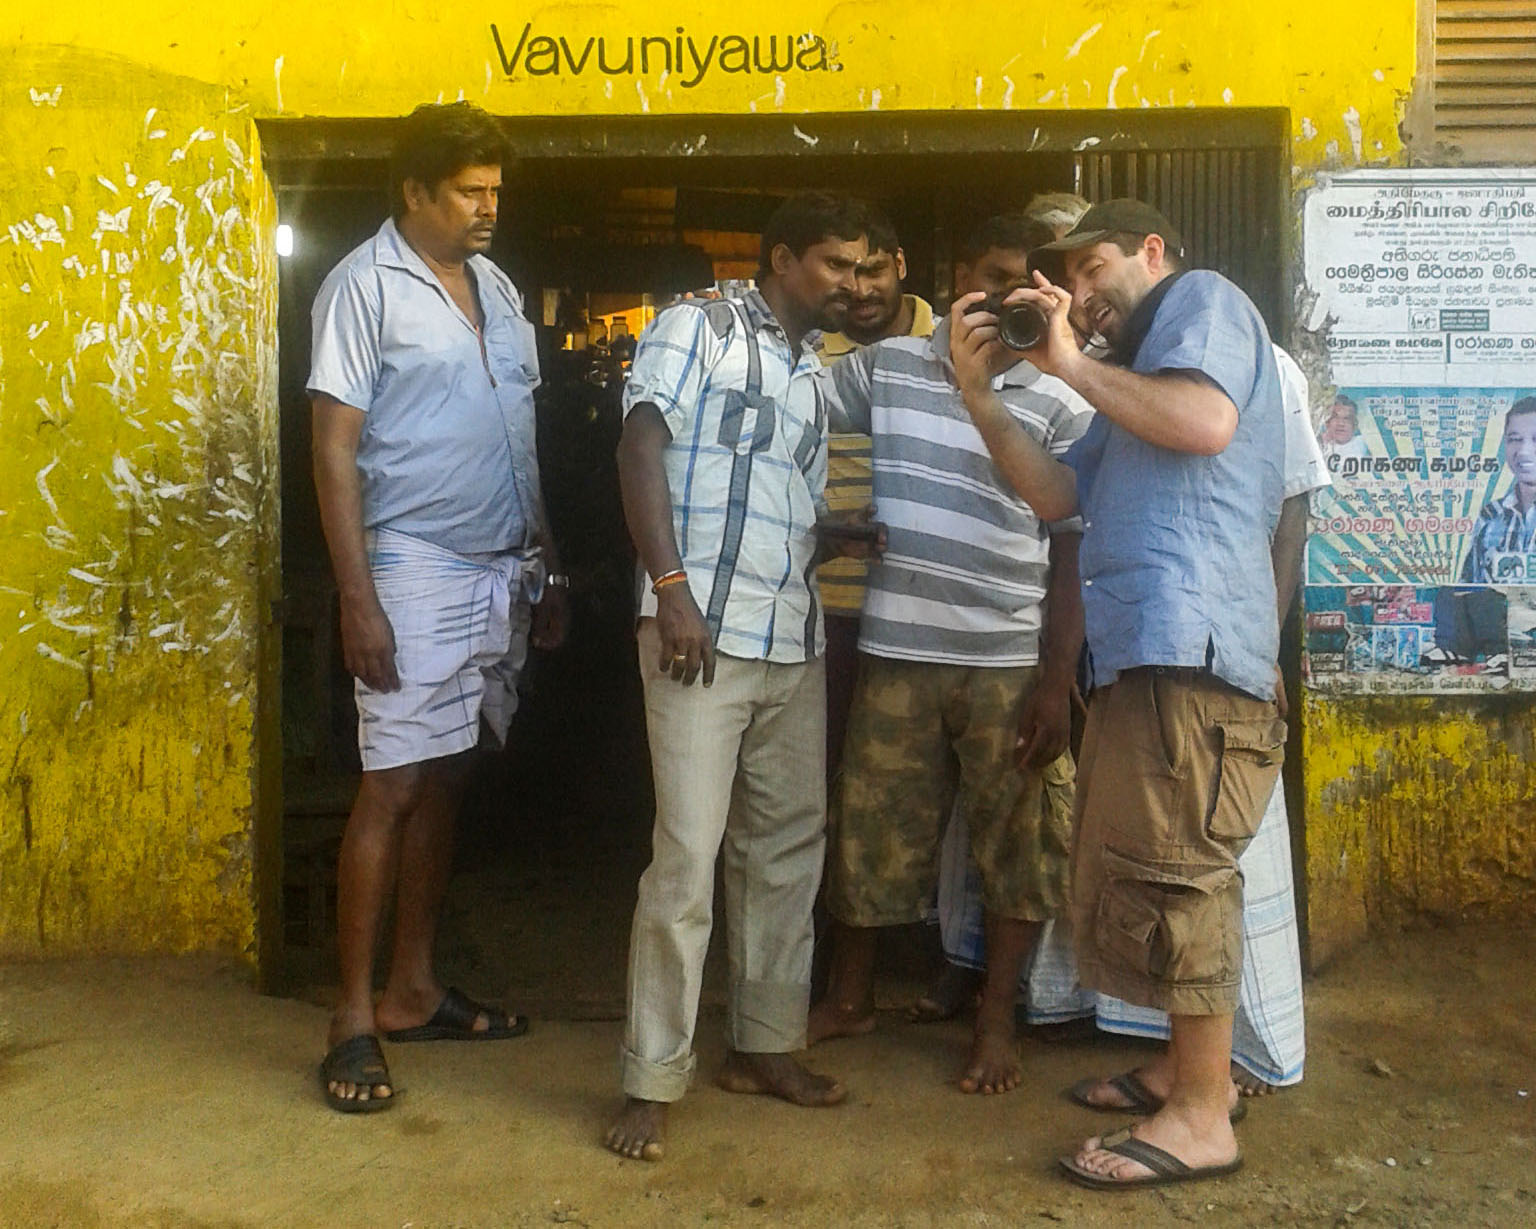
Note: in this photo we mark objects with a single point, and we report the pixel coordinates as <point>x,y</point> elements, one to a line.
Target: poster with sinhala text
<point>1421,561</point>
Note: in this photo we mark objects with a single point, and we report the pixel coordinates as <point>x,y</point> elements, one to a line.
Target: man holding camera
<point>1179,484</point>
<point>956,690</point>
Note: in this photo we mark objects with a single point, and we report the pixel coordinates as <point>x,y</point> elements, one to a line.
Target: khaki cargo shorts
<point>1176,770</point>
<point>917,734</point>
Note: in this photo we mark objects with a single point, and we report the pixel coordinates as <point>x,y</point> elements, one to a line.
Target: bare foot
<point>829,1019</point>
<point>778,1075</point>
<point>637,1131</point>
<point>994,1062</point>
<point>1199,1141</point>
<point>1249,1085</point>
<point>952,991</point>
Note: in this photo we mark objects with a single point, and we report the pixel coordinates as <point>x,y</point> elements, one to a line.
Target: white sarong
<point>1269,1034</point>
<point>461,637</point>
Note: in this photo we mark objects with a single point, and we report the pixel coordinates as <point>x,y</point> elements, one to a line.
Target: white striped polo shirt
<point>966,562</point>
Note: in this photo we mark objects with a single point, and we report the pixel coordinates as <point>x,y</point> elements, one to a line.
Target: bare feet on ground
<point>1198,1141</point>
<point>637,1132</point>
<point>829,1019</point>
<point>778,1075</point>
<point>1249,1085</point>
<point>344,1026</point>
<point>994,1062</point>
<point>952,991</point>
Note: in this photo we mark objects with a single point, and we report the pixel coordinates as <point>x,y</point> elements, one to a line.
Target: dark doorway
<point>600,221</point>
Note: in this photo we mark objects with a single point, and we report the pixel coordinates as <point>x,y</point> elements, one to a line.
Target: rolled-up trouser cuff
<point>650,1081</point>
<point>1212,999</point>
<point>769,1017</point>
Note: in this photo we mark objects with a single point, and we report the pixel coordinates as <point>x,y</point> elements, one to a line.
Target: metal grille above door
<point>1225,202</point>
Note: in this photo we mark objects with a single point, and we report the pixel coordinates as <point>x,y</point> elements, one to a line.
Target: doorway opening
<point>602,221</point>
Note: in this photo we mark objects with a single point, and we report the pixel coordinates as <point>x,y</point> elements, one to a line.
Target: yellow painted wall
<point>137,288</point>
<point>1418,807</point>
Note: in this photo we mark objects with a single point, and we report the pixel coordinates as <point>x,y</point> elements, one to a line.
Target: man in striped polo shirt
<point>970,635</point>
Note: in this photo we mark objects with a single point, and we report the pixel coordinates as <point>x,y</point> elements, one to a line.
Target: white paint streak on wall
<point>1352,126</point>
<point>46,98</point>
<point>1007,92</point>
<point>1114,80</point>
<point>1083,38</point>
<point>805,136</point>
<point>1151,34</point>
<point>277,80</point>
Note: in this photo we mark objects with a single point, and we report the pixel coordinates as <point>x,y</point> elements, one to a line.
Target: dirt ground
<point>166,1093</point>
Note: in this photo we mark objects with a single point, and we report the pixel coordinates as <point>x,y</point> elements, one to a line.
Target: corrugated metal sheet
<point>1225,202</point>
<point>1485,77</point>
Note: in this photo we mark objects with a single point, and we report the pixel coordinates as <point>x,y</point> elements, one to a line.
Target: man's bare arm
<point>367,639</point>
<point>686,646</point>
<point>1182,411</point>
<point>1045,721</point>
<point>1285,551</point>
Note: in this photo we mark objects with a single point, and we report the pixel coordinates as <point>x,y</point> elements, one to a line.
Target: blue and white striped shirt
<point>746,469</point>
<point>967,562</point>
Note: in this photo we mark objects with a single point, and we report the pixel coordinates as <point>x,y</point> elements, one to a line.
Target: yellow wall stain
<point>1417,807</point>
<point>137,504</point>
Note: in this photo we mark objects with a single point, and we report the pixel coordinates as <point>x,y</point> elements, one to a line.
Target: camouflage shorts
<point>919,734</point>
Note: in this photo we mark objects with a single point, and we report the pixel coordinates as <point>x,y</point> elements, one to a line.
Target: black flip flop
<point>1139,1098</point>
<point>357,1060</point>
<point>454,1020</point>
<point>1166,1168</point>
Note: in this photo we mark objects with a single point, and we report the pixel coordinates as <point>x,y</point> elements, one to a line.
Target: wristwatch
<point>558,580</point>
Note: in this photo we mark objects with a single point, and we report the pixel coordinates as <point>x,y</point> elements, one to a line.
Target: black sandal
<point>357,1060</point>
<point>454,1020</point>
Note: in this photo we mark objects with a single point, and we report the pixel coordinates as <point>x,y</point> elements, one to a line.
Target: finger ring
<point>679,657</point>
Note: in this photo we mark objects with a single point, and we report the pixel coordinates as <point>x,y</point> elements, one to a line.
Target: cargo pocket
<point>1170,923</point>
<point>1251,753</point>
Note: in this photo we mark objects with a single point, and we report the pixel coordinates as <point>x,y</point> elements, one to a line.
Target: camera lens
<point>1021,326</point>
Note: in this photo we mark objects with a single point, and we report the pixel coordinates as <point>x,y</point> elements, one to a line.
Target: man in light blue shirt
<point>425,468</point>
<point>1179,484</point>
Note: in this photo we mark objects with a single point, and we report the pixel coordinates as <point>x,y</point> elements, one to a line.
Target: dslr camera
<point>1020,326</point>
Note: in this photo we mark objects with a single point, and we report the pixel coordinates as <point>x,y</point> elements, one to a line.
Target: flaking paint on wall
<point>136,398</point>
<point>1417,807</point>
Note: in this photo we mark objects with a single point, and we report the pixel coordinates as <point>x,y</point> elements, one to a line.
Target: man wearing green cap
<point>1178,481</point>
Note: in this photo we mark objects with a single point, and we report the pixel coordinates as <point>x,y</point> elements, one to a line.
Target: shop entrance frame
<point>1222,176</point>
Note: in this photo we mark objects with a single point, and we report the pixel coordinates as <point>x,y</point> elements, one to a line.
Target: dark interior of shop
<point>556,828</point>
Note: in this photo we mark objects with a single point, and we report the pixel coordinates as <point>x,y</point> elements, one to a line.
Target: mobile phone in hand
<point>850,531</point>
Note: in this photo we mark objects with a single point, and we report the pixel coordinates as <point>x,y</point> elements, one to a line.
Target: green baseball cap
<point>1122,216</point>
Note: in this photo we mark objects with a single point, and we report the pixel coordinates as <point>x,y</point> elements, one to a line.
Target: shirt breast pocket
<point>512,354</point>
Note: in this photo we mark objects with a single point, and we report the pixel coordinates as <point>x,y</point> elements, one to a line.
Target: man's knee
<point>392,794</point>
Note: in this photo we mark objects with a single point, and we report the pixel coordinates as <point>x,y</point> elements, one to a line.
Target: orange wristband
<point>670,578</point>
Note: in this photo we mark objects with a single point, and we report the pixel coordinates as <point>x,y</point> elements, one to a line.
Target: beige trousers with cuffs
<point>739,767</point>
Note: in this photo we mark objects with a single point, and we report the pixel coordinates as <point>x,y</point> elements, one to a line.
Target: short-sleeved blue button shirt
<point>447,453</point>
<point>1175,554</point>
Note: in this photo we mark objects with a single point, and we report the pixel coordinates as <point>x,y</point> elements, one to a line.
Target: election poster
<point>1421,561</point>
